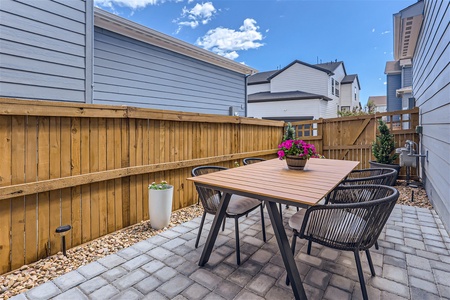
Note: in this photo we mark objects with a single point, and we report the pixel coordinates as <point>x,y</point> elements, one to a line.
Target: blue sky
<point>269,34</point>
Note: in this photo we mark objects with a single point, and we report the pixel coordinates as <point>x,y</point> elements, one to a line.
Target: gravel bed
<point>49,268</point>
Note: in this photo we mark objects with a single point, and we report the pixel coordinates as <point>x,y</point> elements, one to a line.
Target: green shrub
<point>384,145</point>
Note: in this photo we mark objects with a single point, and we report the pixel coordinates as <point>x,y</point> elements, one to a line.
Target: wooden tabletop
<point>272,179</point>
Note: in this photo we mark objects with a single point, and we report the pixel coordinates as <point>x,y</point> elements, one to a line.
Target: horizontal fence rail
<point>89,166</point>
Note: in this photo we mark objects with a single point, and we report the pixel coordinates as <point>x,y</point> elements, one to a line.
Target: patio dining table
<point>271,181</point>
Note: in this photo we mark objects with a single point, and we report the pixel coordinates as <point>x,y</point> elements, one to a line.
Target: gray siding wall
<point>393,84</point>
<point>131,72</point>
<point>44,49</point>
<point>407,77</point>
<point>431,88</point>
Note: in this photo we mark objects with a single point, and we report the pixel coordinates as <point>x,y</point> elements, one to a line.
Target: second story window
<point>336,89</point>
<point>332,86</point>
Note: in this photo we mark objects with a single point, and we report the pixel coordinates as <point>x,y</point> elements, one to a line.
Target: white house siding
<point>301,108</point>
<point>258,88</point>
<point>131,72</point>
<point>311,81</point>
<point>346,95</point>
<point>431,88</point>
<point>328,109</point>
<point>44,49</point>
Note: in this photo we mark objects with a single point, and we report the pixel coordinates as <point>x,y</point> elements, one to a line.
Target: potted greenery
<point>296,152</point>
<point>383,149</point>
<point>160,204</point>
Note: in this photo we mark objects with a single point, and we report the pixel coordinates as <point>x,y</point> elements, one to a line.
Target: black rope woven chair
<point>383,176</point>
<point>378,176</point>
<point>252,160</point>
<point>238,206</point>
<point>352,223</point>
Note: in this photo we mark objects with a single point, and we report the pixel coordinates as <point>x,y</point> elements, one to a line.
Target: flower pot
<point>160,207</point>
<point>295,162</point>
<point>375,165</point>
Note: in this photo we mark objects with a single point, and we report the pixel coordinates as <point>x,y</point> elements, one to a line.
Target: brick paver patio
<point>413,262</point>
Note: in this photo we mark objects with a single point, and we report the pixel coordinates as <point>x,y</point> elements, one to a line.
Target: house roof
<point>265,77</point>
<point>131,29</point>
<point>294,95</point>
<point>331,66</point>
<point>261,77</point>
<point>378,100</point>
<point>407,25</point>
<point>392,67</point>
<point>350,78</point>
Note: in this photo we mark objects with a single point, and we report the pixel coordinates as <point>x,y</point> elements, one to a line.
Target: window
<point>336,90</point>
<point>355,93</point>
<point>345,108</point>
<point>332,86</point>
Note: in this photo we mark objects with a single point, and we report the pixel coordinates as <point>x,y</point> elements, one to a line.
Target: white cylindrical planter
<point>160,207</point>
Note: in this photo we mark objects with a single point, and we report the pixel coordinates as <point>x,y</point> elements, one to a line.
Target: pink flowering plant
<point>296,148</point>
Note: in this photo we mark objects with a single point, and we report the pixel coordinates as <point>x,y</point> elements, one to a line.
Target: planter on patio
<point>160,204</point>
<point>295,162</point>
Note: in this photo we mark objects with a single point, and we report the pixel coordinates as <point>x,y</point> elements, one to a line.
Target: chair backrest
<point>252,160</point>
<point>383,176</point>
<point>358,222</point>
<point>210,198</point>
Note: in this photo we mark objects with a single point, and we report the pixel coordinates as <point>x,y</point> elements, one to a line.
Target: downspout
<point>246,96</point>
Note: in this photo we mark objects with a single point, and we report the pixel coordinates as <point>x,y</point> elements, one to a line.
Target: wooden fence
<point>90,165</point>
<point>351,138</point>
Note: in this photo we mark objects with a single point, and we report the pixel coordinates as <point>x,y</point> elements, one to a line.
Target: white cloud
<point>133,4</point>
<point>373,29</point>
<point>385,83</point>
<point>385,32</point>
<point>199,14</point>
<point>227,42</point>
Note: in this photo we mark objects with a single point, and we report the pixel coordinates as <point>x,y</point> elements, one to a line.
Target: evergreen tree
<point>384,145</point>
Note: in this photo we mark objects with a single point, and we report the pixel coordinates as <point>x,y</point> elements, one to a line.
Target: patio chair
<point>383,176</point>
<point>352,223</point>
<point>252,160</point>
<point>239,206</point>
<point>378,176</point>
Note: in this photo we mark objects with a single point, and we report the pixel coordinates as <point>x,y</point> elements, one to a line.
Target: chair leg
<point>281,213</point>
<point>223,225</point>
<point>294,241</point>
<point>309,247</point>
<point>200,229</point>
<point>263,224</point>
<point>376,245</point>
<point>298,208</point>
<point>369,260</point>
<point>238,253</point>
<point>361,275</point>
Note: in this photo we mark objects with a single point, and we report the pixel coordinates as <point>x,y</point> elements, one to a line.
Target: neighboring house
<point>379,102</point>
<point>302,91</point>
<point>427,46</point>
<point>69,51</point>
<point>399,85</point>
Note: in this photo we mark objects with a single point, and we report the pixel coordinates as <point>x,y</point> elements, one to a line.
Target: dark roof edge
<point>303,63</point>
<point>319,97</point>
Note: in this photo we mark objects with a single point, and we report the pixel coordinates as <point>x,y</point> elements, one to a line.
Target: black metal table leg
<point>285,250</point>
<point>215,228</point>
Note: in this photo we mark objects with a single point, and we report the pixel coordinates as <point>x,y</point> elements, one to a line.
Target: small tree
<point>290,132</point>
<point>384,145</point>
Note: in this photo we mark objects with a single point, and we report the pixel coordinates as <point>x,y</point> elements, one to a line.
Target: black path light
<point>62,231</point>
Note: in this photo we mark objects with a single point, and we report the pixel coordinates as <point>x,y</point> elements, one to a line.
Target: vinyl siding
<point>258,88</point>
<point>393,84</point>
<point>131,72</point>
<point>406,77</point>
<point>44,50</point>
<point>291,108</point>
<point>301,78</point>
<point>431,88</point>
